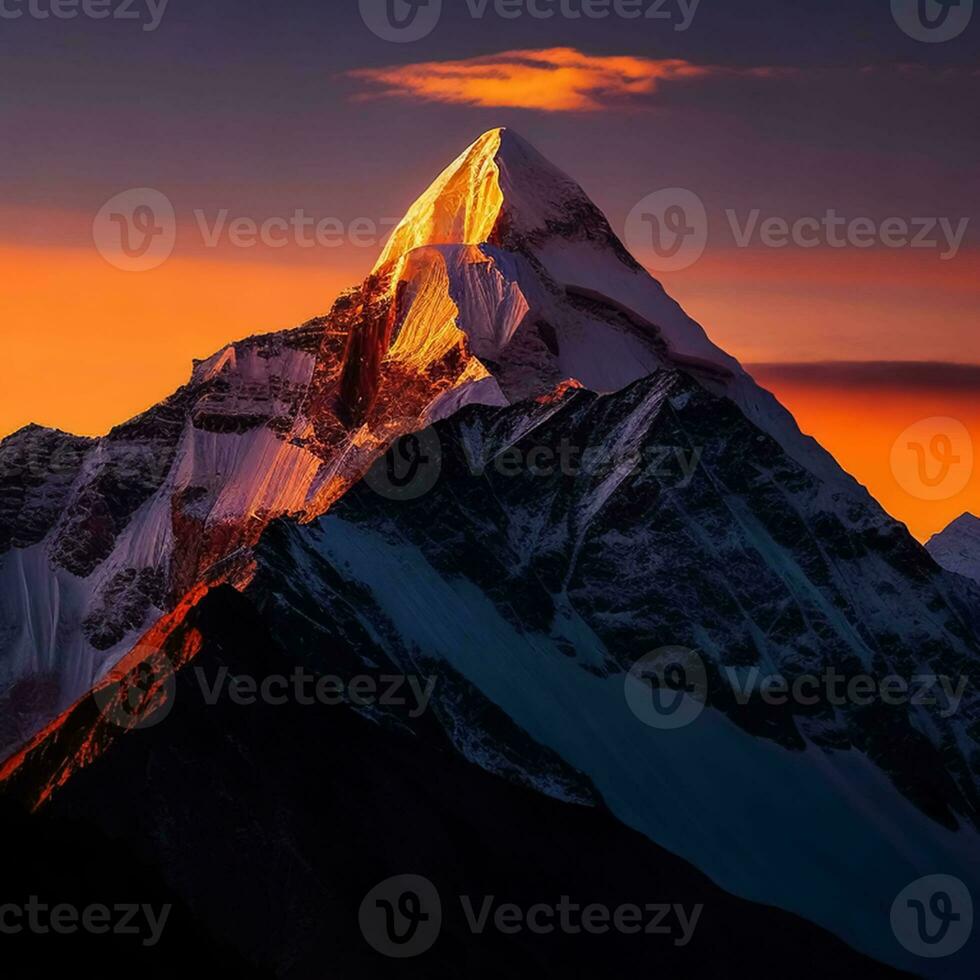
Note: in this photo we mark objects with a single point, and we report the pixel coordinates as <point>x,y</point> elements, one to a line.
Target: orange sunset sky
<point>259,115</point>
<point>88,346</point>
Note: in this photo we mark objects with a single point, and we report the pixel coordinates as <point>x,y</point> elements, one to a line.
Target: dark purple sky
<point>244,102</point>
<point>249,106</point>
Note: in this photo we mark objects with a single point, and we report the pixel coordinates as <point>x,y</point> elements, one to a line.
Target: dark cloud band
<point>912,375</point>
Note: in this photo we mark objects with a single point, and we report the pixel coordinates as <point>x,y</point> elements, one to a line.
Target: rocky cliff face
<point>266,827</point>
<point>566,539</point>
<point>503,281</point>
<point>539,554</point>
<point>100,537</point>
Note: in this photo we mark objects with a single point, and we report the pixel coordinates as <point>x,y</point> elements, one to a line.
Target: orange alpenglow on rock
<point>503,282</point>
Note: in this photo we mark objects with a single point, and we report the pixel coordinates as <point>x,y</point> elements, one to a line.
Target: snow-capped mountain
<point>601,482</point>
<point>528,592</point>
<point>502,281</point>
<point>265,827</point>
<point>549,587</point>
<point>507,249</point>
<point>957,548</point>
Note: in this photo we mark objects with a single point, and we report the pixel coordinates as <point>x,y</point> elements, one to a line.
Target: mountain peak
<point>966,523</point>
<point>957,547</point>
<point>500,175</point>
<point>966,520</point>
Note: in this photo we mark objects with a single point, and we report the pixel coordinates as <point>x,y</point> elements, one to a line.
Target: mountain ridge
<point>100,537</point>
<point>550,583</point>
<point>957,547</point>
<point>272,476</point>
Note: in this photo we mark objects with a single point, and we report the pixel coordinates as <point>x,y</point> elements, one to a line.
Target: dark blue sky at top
<point>243,104</point>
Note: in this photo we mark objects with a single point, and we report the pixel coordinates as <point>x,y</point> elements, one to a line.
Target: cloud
<point>907,375</point>
<point>548,80</point>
